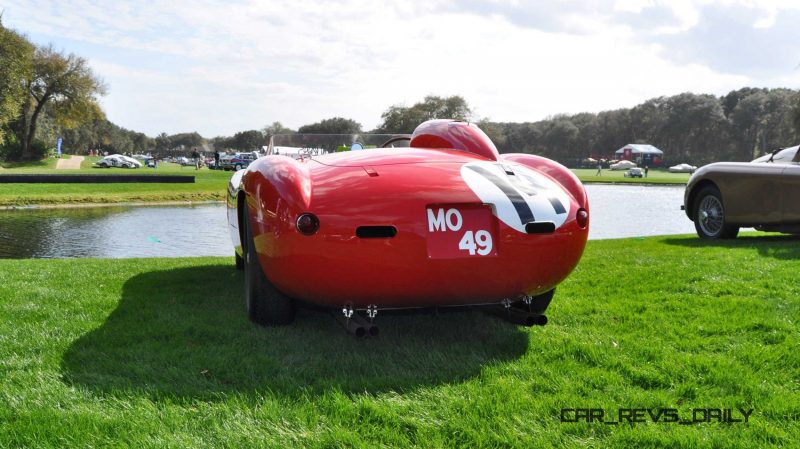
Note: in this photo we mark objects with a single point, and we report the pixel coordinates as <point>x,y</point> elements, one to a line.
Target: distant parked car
<point>622,165</point>
<point>764,194</point>
<point>634,172</point>
<point>682,168</point>
<point>237,161</point>
<point>118,160</point>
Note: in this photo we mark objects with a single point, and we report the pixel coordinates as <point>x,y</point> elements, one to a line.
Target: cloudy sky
<point>220,67</point>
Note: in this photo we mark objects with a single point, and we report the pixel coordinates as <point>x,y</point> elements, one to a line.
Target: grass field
<point>209,185</point>
<point>159,353</point>
<point>618,176</point>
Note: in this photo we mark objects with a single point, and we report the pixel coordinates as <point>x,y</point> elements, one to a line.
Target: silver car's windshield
<point>315,144</point>
<point>785,155</point>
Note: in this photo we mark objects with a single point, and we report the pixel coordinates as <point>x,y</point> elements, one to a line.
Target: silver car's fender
<point>234,187</point>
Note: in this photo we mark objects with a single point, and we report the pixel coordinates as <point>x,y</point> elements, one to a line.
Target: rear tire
<point>709,216</point>
<point>239,262</point>
<point>266,305</point>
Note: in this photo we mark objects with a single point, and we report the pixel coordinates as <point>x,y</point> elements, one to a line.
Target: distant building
<point>642,154</point>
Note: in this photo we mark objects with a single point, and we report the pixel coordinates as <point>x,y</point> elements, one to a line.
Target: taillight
<point>582,217</point>
<point>307,224</point>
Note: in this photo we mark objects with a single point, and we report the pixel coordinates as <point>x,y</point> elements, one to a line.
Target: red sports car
<point>437,218</point>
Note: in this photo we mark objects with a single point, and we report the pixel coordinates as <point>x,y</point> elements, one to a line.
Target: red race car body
<point>446,221</point>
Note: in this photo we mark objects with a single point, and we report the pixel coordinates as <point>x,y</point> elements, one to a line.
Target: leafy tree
<point>336,125</point>
<point>248,140</point>
<point>66,85</point>
<point>16,60</point>
<point>275,128</point>
<point>186,141</point>
<point>162,143</point>
<point>401,119</point>
<point>796,115</point>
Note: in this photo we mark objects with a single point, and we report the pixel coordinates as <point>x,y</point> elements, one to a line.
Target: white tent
<point>640,149</point>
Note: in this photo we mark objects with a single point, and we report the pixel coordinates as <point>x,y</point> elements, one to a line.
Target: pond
<point>115,232</point>
<point>201,230</point>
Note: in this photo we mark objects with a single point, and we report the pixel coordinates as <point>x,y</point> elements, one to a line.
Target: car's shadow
<point>184,333</point>
<point>786,247</point>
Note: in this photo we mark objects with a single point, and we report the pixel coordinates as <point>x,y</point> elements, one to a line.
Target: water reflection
<point>115,232</point>
<point>181,231</point>
<point>634,211</point>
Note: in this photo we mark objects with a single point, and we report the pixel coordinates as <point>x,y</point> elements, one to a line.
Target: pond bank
<point>121,204</point>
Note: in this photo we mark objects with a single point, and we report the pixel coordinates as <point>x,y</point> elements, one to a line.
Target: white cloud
<point>220,67</point>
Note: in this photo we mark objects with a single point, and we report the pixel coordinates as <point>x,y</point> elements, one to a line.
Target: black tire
<point>709,215</point>
<point>239,262</point>
<point>266,305</point>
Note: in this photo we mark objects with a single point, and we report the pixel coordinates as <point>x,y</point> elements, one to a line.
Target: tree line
<point>695,128</point>
<point>45,94</point>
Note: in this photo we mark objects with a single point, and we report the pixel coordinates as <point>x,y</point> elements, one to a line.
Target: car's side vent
<point>540,227</point>
<point>376,232</point>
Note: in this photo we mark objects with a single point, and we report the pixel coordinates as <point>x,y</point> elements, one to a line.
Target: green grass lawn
<point>44,165</point>
<point>653,176</point>
<point>159,353</point>
<point>209,185</point>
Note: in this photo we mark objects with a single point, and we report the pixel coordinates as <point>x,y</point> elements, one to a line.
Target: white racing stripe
<point>493,185</point>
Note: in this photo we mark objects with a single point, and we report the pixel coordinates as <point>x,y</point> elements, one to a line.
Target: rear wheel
<point>266,305</point>
<point>709,216</point>
<point>238,167</point>
<point>239,262</point>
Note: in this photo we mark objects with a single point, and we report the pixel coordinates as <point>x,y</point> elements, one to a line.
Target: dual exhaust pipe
<point>357,325</point>
<point>360,327</point>
<point>519,315</point>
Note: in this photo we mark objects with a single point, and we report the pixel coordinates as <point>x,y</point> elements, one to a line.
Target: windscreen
<point>299,144</point>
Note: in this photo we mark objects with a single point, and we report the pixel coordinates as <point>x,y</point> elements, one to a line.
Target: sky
<point>219,67</point>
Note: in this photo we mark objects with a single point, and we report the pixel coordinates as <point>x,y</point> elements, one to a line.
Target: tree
<point>276,128</point>
<point>162,143</point>
<point>66,85</point>
<point>247,140</point>
<point>399,119</point>
<point>336,125</point>
<point>16,60</point>
<point>796,115</point>
<point>186,140</point>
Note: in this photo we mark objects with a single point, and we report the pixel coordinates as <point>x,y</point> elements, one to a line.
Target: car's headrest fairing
<point>456,135</point>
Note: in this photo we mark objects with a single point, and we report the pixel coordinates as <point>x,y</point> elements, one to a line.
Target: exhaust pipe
<point>352,324</point>
<point>517,315</point>
<point>371,328</point>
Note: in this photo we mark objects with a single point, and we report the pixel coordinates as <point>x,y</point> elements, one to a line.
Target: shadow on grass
<point>184,333</point>
<point>784,247</point>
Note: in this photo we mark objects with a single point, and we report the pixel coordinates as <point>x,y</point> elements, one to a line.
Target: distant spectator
<point>196,157</point>
<point>599,170</point>
<point>646,169</point>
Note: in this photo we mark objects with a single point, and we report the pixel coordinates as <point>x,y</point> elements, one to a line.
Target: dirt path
<point>72,163</point>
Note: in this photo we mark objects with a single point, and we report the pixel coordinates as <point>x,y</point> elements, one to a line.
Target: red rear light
<point>307,224</point>
<point>582,217</point>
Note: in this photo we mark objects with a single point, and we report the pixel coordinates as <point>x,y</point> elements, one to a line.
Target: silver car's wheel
<point>709,216</point>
